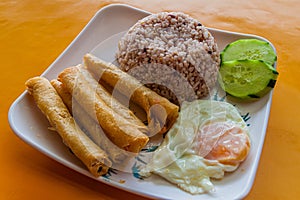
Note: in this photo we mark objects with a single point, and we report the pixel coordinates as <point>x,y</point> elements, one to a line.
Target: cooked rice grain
<point>172,53</point>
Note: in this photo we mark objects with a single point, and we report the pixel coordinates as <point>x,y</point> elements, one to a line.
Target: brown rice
<point>173,54</point>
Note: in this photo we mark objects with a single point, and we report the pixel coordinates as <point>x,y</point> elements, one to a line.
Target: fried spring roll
<point>110,101</point>
<point>94,130</point>
<point>63,93</point>
<point>161,113</point>
<point>120,131</point>
<point>52,106</point>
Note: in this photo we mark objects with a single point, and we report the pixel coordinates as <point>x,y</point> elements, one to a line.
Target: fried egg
<point>208,139</point>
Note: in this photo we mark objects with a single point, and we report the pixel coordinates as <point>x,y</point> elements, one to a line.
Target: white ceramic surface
<point>100,36</point>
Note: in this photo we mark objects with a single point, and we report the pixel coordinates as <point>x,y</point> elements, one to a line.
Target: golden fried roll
<point>161,113</point>
<point>52,106</point>
<point>110,101</point>
<point>120,131</point>
<point>63,93</point>
<point>116,155</point>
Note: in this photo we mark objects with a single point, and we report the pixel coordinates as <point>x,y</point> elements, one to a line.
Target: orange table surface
<point>34,32</point>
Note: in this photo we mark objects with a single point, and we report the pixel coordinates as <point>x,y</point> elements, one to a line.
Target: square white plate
<point>100,36</point>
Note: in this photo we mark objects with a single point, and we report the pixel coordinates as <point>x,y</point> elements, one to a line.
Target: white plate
<point>100,36</point>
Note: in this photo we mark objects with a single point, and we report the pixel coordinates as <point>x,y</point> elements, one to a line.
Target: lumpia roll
<point>161,113</point>
<point>115,154</point>
<point>63,93</point>
<point>121,132</point>
<point>52,106</point>
<point>110,101</point>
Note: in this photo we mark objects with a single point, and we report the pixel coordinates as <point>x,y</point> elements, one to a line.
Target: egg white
<point>178,159</point>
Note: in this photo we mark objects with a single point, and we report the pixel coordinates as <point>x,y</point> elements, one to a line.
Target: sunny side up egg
<point>208,139</point>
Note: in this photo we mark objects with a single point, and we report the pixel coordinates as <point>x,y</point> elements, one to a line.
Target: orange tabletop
<point>34,32</point>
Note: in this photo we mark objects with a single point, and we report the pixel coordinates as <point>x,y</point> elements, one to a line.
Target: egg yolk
<point>225,143</point>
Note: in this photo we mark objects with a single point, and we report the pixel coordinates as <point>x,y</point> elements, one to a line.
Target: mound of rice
<point>173,54</point>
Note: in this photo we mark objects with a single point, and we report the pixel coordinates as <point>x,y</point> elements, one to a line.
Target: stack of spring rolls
<point>97,128</point>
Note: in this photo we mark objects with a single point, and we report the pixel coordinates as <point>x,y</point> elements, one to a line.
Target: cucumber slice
<point>251,49</point>
<point>247,79</point>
